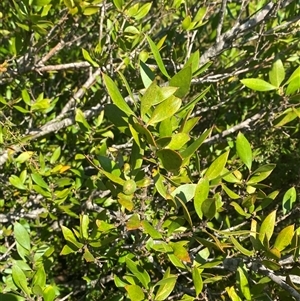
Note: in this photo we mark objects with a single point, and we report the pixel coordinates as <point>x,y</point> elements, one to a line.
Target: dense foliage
<point>149,150</point>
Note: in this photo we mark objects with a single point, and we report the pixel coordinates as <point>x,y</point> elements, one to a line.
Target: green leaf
<point>20,280</point>
<point>135,293</point>
<point>165,110</point>
<point>239,209</point>
<point>197,280</point>
<point>261,173</point>
<point>244,150</point>
<point>257,84</point>
<point>149,229</point>
<point>295,75</point>
<point>230,193</point>
<point>216,168</point>
<point>143,11</point>
<point>138,272</point>
<point>232,294</point>
<point>79,117</point>
<point>178,141</point>
<point>88,11</point>
<point>293,86</point>
<point>26,97</point>
<point>87,56</point>
<point>116,96</point>
<point>37,179</point>
<point>49,293</point>
<point>284,238</point>
<point>267,227</point>
<point>289,199</point>
<point>147,74</point>
<point>209,208</point>
<point>277,73</point>
<point>119,4</point>
<point>241,248</point>
<point>182,80</point>
<point>185,192</point>
<point>192,148</point>
<point>243,283</point>
<point>153,96</point>
<point>193,61</point>
<point>69,236</point>
<point>23,157</point>
<point>21,235</point>
<point>39,277</point>
<point>166,286</point>
<point>180,251</point>
<point>170,159</point>
<point>157,57</point>
<point>16,181</point>
<point>84,225</point>
<point>201,194</point>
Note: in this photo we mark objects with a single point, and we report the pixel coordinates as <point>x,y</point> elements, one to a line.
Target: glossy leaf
<point>208,208</point>
<point>16,181</point>
<point>138,272</point>
<point>21,235</point>
<point>289,199</point>
<point>197,280</point>
<point>170,159</point>
<point>193,147</point>
<point>284,238</point>
<point>165,110</point>
<point>166,286</point>
<point>243,283</point>
<point>185,192</point>
<point>49,293</point>
<point>216,168</point>
<point>241,248</point>
<point>37,178</point>
<point>201,194</point>
<point>69,236</point>
<point>19,279</point>
<point>232,294</point>
<point>182,80</point>
<point>116,96</point>
<point>135,293</point>
<point>133,222</point>
<point>244,151</point>
<point>149,229</point>
<point>261,173</point>
<point>258,84</point>
<point>267,227</point>
<point>277,73</point>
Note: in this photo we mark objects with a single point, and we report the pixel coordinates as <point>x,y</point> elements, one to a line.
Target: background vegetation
<point>149,150</point>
